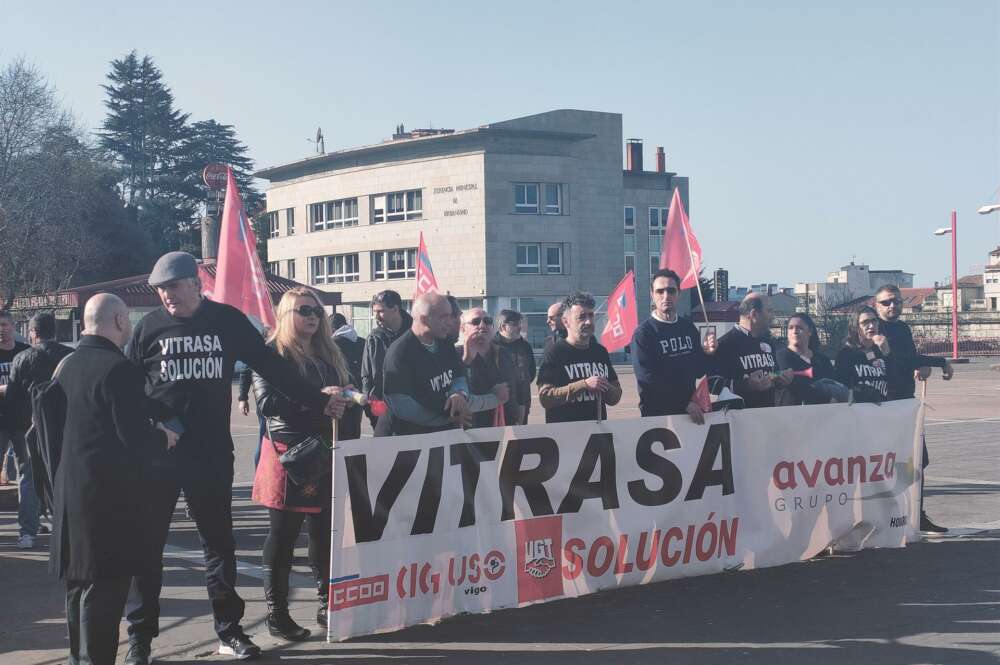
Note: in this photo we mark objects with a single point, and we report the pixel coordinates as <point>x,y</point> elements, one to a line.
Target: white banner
<point>429,526</point>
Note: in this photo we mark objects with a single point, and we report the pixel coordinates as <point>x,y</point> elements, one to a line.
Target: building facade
<point>851,282</point>
<point>515,214</point>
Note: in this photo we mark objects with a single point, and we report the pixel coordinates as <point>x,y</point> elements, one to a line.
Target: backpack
<point>48,418</point>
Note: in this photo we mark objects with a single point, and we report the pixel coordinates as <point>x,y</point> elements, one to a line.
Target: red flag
<point>701,396</point>
<point>623,315</point>
<point>425,273</point>
<point>239,277</point>
<point>680,250</point>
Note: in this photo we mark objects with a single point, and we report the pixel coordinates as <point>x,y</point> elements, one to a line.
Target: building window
<point>654,263</point>
<point>527,260</point>
<point>630,263</point>
<point>629,229</point>
<point>526,198</point>
<point>290,268</point>
<point>553,199</point>
<point>272,224</point>
<point>394,264</point>
<point>334,269</point>
<point>398,206</point>
<point>290,221</point>
<point>553,260</point>
<point>272,268</point>
<point>657,225</point>
<point>333,214</point>
<point>538,259</point>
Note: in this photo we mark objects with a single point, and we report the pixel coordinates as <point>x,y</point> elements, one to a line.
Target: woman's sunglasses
<point>307,310</point>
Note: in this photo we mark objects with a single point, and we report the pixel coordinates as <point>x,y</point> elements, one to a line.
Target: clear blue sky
<point>812,132</point>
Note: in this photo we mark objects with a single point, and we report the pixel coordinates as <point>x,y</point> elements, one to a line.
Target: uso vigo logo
<point>360,591</point>
<point>539,558</point>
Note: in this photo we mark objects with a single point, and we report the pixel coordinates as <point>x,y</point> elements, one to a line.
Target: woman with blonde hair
<point>302,335</point>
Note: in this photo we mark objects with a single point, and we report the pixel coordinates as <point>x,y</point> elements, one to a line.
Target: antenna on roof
<point>320,143</point>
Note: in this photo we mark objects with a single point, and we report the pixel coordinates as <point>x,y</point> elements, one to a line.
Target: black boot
<point>279,623</point>
<point>323,594</point>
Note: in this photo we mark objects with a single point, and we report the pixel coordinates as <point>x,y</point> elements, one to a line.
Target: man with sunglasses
<point>391,321</point>
<point>188,349</point>
<point>557,329</point>
<point>491,371</point>
<point>910,365</point>
<point>668,357</point>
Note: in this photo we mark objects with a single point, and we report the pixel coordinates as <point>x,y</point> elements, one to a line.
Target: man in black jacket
<point>96,541</point>
<point>30,368</point>
<point>910,366</point>
<point>509,337</point>
<point>12,428</point>
<point>189,348</point>
<point>391,321</point>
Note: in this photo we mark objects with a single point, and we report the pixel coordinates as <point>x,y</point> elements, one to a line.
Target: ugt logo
<point>538,558</point>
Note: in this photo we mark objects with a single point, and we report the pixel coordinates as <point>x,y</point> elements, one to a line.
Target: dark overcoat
<point>97,529</point>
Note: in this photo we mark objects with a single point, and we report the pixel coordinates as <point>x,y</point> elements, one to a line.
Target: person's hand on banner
<point>596,384</point>
<point>697,415</point>
<point>710,344</point>
<point>458,408</point>
<point>784,378</point>
<point>502,392</point>
<point>760,381</point>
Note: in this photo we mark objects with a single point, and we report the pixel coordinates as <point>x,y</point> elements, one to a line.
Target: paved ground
<point>933,602</point>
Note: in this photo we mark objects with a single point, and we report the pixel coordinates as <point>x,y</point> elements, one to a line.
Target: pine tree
<point>209,141</point>
<point>145,136</point>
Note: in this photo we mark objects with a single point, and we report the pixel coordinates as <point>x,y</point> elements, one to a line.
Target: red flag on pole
<point>623,315</point>
<point>680,251</point>
<point>425,273</point>
<point>239,277</point>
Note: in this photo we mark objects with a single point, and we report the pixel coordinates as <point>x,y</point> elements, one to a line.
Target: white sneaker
<point>26,542</point>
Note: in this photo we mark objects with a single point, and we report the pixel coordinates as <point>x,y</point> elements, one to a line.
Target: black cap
<point>171,266</point>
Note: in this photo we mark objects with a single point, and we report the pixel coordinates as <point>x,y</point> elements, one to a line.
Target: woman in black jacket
<point>865,363</point>
<point>302,335</point>
<point>802,353</point>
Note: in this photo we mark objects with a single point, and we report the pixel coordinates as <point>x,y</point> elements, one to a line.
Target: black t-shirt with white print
<point>865,367</point>
<point>564,364</point>
<point>740,354</point>
<point>413,370</point>
<point>189,365</point>
<point>8,410</point>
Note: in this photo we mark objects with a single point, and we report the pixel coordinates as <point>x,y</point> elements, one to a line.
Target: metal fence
<point>967,346</point>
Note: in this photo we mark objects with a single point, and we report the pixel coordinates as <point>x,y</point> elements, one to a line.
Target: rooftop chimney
<point>661,160</point>
<point>633,155</point>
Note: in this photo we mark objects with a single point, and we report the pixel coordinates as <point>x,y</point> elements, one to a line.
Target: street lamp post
<point>954,282</point>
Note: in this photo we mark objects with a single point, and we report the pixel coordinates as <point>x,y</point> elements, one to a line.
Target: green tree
<point>707,290</point>
<point>145,137</point>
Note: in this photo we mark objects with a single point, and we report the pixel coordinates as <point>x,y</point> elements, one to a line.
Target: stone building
<point>515,214</point>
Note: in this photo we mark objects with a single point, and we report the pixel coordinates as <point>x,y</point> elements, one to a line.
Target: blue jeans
<point>28,504</point>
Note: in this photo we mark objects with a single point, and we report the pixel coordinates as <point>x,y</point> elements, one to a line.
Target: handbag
<point>307,461</point>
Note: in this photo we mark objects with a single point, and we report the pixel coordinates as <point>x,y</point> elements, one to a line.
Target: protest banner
<point>474,521</point>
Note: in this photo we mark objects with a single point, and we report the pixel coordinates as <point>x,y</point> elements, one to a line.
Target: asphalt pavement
<point>937,601</point>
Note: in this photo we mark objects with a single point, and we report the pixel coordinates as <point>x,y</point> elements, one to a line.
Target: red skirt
<point>272,488</point>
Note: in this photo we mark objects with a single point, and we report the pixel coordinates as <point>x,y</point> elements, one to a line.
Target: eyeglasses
<point>890,302</point>
<point>480,319</point>
<point>307,310</point>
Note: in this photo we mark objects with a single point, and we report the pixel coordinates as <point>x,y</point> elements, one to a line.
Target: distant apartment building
<point>515,214</point>
<point>851,282</point>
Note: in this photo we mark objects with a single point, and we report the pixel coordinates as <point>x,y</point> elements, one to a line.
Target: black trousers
<point>279,546</point>
<point>208,490</point>
<point>93,613</point>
